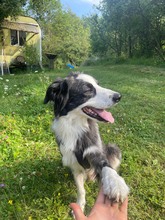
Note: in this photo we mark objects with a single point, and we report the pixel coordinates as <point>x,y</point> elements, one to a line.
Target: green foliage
<point>63,32</point>
<point>98,35</point>
<point>130,28</point>
<point>42,10</point>
<point>107,60</point>
<point>37,9</point>
<point>66,36</point>
<point>10,8</point>
<point>31,55</point>
<point>37,186</point>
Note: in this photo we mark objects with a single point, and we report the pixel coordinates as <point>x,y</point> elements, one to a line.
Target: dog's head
<point>81,93</point>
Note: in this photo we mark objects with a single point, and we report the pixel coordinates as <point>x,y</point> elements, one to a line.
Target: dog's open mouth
<point>99,114</point>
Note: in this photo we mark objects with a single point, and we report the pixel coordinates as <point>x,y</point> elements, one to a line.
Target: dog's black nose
<point>116,97</point>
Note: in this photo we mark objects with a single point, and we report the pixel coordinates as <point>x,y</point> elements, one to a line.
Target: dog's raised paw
<point>114,185</point>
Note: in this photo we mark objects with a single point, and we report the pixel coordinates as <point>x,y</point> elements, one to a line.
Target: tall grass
<point>143,61</point>
<point>33,183</point>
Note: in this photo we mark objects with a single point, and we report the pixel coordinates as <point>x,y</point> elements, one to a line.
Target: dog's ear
<point>53,90</point>
<point>58,92</point>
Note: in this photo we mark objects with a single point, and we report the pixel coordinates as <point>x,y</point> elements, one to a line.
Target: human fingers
<point>124,206</point>
<point>79,215</point>
<point>107,201</point>
<point>111,203</point>
<point>100,197</point>
<point>115,204</point>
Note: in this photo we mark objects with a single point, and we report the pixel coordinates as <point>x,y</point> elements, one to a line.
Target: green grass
<point>36,184</point>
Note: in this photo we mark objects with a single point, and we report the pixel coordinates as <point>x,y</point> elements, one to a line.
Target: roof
<point>20,26</point>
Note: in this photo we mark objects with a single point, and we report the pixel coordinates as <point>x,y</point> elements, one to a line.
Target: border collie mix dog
<point>79,103</point>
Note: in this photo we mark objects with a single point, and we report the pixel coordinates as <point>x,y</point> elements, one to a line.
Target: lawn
<point>33,183</point>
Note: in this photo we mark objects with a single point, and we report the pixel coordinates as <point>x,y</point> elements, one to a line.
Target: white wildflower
<point>23,187</point>
<point>6,87</point>
<point>34,173</point>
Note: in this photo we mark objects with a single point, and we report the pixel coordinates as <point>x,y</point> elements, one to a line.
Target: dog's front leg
<point>80,178</point>
<point>114,185</point>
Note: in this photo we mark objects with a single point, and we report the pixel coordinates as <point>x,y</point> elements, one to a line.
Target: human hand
<point>103,209</point>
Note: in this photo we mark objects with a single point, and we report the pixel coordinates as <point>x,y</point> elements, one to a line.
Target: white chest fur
<point>68,129</point>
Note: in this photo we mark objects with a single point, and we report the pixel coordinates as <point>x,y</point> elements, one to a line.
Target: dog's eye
<point>89,89</point>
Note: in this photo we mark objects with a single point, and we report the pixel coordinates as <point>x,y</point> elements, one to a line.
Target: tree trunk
<point>130,55</point>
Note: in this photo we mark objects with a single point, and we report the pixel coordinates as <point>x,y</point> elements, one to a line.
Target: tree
<point>66,36</point>
<point>42,10</point>
<point>35,8</point>
<point>63,32</point>
<point>130,28</point>
<point>98,34</point>
<point>153,16</point>
<point>10,8</point>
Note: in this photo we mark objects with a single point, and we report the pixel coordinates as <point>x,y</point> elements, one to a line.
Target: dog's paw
<point>114,185</point>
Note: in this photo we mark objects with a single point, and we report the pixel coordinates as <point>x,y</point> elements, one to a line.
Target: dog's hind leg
<point>80,178</point>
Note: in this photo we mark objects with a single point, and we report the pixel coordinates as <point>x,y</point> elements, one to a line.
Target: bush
<point>31,56</point>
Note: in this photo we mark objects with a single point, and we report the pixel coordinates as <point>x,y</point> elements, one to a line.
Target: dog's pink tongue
<point>105,115</point>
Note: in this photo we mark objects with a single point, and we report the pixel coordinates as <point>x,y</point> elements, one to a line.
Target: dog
<point>79,103</point>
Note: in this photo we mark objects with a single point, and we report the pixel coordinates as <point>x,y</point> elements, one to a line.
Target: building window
<point>18,37</point>
<point>14,38</point>
<point>22,38</point>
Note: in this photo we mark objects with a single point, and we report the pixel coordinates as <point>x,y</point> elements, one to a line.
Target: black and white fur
<point>78,99</point>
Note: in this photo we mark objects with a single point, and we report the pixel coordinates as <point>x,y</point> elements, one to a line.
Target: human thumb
<point>79,215</point>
